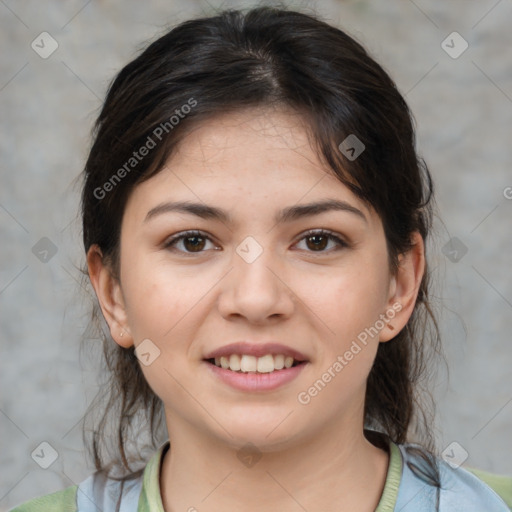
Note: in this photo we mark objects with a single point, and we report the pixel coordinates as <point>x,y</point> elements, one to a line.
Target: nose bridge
<point>253,263</point>
<point>255,289</point>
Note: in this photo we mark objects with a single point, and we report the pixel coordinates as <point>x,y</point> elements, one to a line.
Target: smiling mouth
<point>251,364</point>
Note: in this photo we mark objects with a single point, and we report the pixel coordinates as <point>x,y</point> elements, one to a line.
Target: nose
<point>257,290</point>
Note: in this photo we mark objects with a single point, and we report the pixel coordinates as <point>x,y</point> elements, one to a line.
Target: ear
<point>404,288</point>
<point>110,296</point>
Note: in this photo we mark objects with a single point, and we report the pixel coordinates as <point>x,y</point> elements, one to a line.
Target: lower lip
<point>257,381</point>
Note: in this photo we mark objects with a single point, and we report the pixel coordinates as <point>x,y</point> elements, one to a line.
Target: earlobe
<point>404,288</point>
<point>110,297</point>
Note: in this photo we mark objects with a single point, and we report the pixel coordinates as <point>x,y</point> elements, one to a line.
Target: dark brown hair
<point>264,57</point>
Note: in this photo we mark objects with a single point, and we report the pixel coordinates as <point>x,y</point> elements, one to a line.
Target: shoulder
<point>97,492</point>
<point>459,490</point>
<point>61,501</point>
<point>501,484</point>
<point>100,492</point>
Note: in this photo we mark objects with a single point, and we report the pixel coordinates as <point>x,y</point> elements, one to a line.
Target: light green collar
<point>151,499</point>
<point>390,493</point>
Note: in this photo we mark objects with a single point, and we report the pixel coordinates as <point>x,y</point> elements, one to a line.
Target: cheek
<point>160,307</point>
<point>348,307</point>
<point>155,297</point>
<point>165,302</point>
<point>347,298</point>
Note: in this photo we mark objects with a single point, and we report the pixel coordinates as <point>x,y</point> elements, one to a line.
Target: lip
<point>252,381</point>
<point>257,350</point>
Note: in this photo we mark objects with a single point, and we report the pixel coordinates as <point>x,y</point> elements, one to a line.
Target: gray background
<point>463,107</point>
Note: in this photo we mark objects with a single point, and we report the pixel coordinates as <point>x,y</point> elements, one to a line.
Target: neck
<point>328,471</point>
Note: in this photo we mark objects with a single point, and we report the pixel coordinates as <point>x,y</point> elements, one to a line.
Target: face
<point>251,265</point>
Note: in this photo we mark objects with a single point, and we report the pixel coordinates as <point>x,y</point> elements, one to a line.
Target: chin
<point>268,433</point>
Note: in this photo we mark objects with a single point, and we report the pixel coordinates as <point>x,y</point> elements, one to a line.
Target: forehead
<point>280,132</point>
<point>244,157</point>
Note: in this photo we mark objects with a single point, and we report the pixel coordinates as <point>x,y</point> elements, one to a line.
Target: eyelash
<point>171,242</point>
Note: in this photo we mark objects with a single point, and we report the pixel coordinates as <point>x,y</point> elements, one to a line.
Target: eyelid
<point>186,234</point>
<point>339,239</point>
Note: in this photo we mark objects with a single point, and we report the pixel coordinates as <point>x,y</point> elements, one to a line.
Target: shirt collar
<point>151,498</point>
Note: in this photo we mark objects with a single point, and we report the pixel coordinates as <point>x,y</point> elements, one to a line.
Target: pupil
<point>194,245</point>
<point>316,237</point>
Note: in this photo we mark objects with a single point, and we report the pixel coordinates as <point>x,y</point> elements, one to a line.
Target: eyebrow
<point>288,214</point>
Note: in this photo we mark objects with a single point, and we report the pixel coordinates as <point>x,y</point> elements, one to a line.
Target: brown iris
<point>316,245</point>
<point>194,247</point>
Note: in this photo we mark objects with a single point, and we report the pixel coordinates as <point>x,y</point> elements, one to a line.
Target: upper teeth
<point>246,363</point>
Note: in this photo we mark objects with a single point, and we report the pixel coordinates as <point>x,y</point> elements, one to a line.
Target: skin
<point>315,456</point>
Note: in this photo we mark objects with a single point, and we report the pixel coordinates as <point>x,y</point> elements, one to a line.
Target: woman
<point>255,219</point>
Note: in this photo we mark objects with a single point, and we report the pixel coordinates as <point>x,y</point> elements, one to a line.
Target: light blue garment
<point>97,493</point>
<point>461,491</point>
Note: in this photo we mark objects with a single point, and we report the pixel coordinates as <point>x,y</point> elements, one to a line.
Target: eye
<point>318,240</point>
<point>190,241</point>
